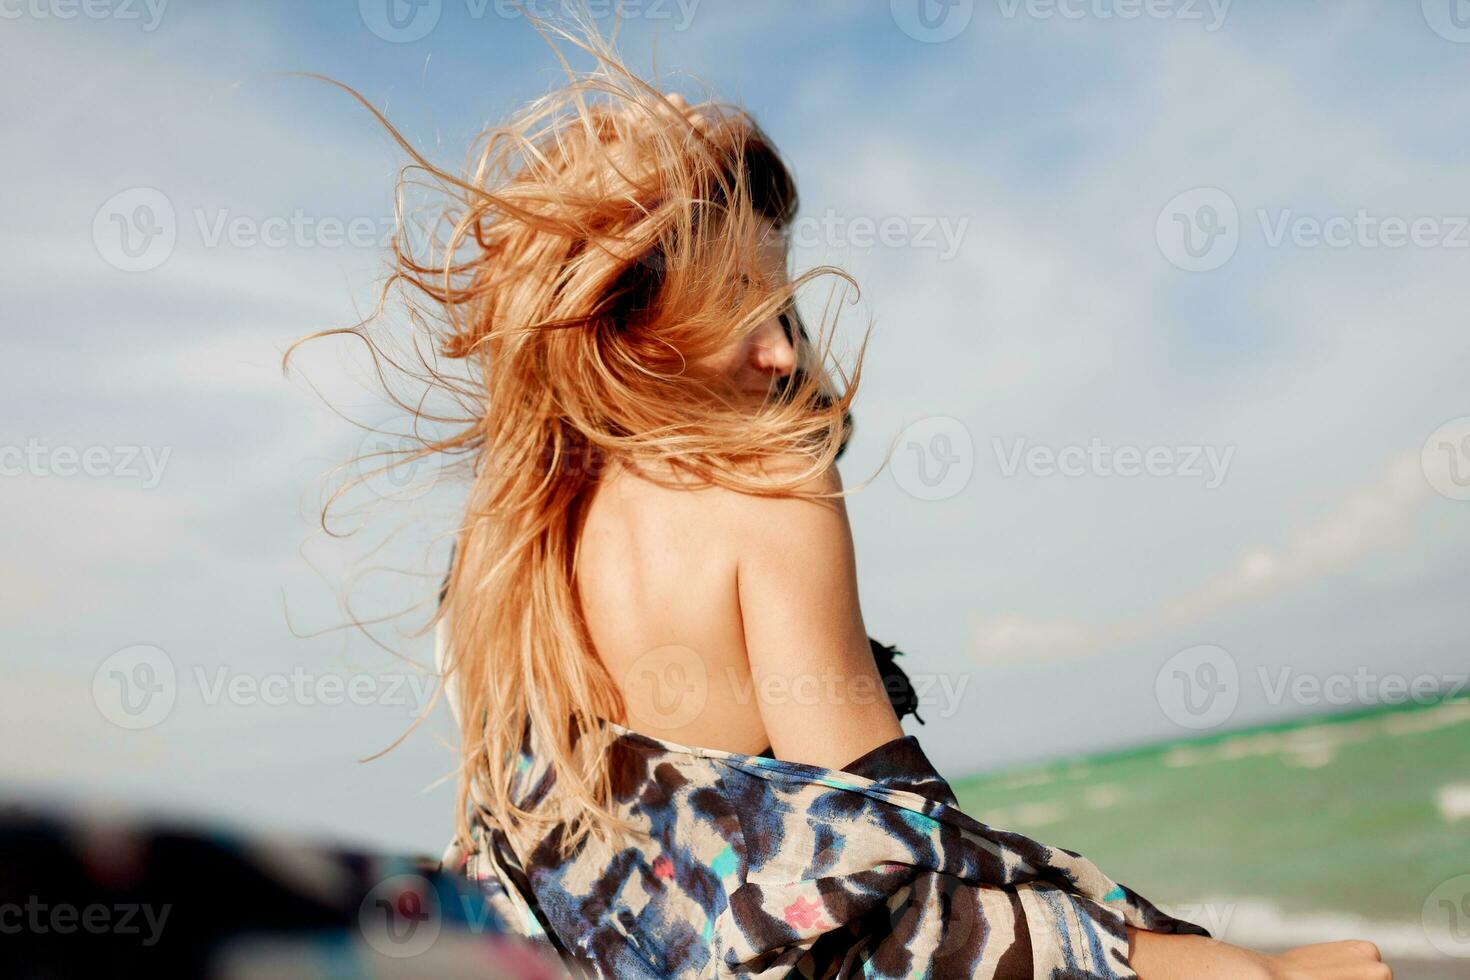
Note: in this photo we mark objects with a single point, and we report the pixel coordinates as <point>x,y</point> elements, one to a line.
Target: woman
<point>678,759</point>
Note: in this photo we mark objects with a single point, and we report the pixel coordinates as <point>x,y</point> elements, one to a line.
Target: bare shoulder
<point>811,505</point>
<point>811,513</point>
<point>797,544</point>
<point>796,578</point>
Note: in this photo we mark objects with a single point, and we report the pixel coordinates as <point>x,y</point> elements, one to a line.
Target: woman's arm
<point>820,694</point>
<point>1157,956</point>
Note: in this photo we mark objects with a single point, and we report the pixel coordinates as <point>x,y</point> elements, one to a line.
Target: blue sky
<point>1048,613</point>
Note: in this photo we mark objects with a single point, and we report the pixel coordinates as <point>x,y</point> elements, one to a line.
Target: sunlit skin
<point>732,621</point>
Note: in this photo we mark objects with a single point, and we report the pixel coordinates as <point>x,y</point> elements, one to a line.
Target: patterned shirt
<point>755,867</point>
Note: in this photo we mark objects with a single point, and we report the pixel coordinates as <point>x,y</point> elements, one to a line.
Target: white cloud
<point>1366,521</point>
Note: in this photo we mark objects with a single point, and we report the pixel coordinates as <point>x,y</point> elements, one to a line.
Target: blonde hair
<point>598,246</point>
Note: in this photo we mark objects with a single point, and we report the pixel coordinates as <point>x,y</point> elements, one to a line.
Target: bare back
<point>731,621</point>
<point>656,575</point>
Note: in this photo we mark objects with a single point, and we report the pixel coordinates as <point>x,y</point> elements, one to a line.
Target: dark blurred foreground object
<point>88,897</point>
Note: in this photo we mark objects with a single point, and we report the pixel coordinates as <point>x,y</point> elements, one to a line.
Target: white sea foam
<point>1453,800</point>
<point>1024,815</point>
<point>1262,924</point>
<point>1103,796</point>
<point>1416,722</point>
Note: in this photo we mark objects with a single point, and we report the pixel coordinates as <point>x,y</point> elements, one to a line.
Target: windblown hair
<point>598,246</point>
